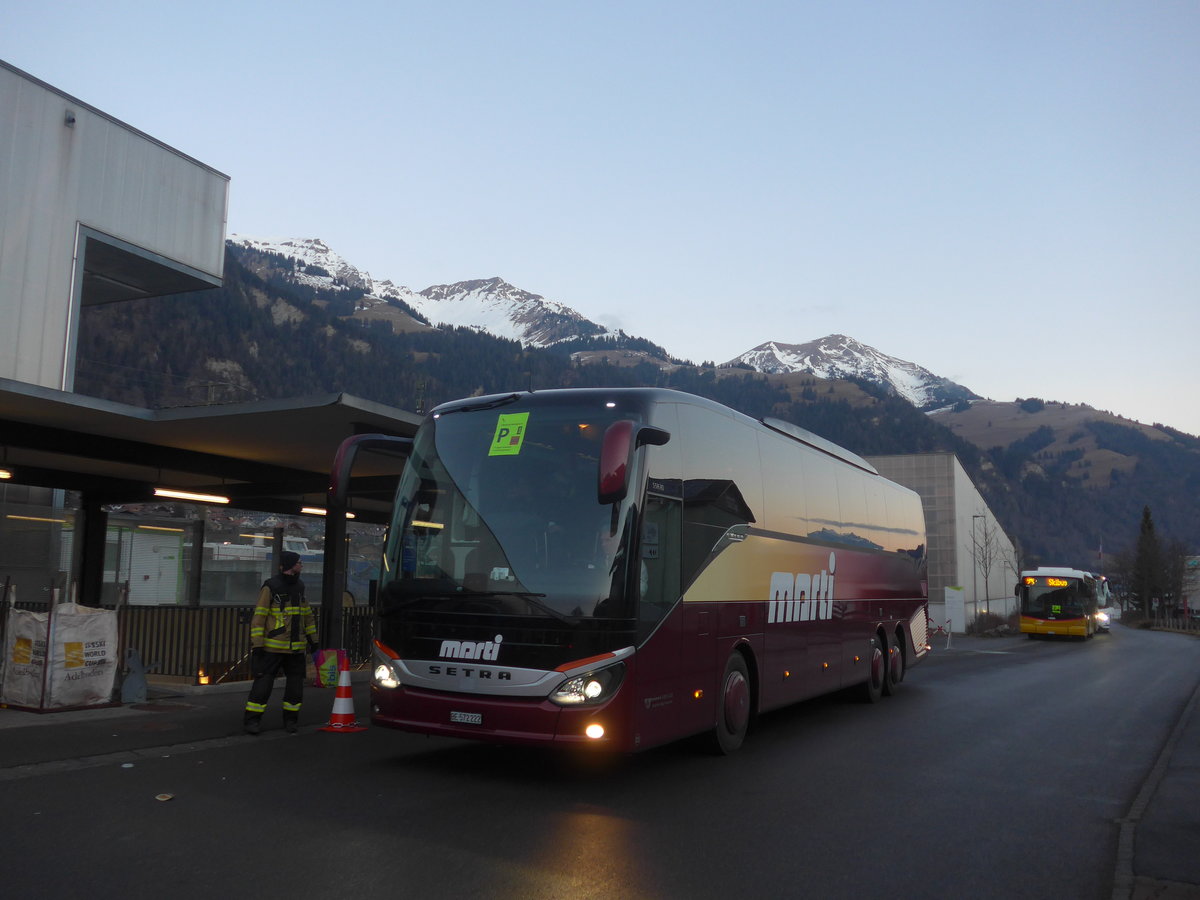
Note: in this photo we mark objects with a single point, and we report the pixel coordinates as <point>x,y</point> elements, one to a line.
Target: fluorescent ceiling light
<point>318,511</point>
<point>188,495</point>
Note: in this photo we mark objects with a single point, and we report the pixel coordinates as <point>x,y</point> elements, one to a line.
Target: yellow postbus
<point>1058,601</point>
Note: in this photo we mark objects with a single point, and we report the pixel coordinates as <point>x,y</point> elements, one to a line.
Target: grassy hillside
<point>989,424</point>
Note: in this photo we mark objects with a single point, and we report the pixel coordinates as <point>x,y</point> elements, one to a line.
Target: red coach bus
<point>622,568</point>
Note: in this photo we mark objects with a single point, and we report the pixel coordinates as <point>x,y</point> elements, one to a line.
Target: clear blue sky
<point>1005,192</point>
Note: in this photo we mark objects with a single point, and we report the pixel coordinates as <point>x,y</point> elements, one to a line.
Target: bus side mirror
<point>343,462</point>
<point>621,440</point>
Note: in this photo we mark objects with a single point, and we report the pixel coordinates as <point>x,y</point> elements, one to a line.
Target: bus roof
<point>1060,571</point>
<point>661,395</point>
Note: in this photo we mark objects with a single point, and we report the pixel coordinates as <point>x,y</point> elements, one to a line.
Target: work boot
<point>291,726</point>
<point>252,724</point>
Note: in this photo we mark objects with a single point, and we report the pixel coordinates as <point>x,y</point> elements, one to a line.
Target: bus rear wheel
<point>872,688</point>
<point>733,706</point>
<point>894,666</point>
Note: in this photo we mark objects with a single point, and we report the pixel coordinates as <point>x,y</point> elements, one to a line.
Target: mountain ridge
<point>495,306</point>
<point>839,356</point>
<point>263,334</point>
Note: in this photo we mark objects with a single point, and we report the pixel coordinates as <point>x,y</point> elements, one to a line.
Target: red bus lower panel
<point>530,722</point>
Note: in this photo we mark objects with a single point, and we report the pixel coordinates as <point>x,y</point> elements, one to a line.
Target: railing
<point>208,642</point>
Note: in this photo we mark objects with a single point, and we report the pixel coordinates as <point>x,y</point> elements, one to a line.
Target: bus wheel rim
<point>737,702</point>
<point>877,668</point>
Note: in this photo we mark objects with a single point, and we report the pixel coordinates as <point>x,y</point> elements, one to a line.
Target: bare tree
<point>1120,570</point>
<point>986,550</point>
<point>1014,561</point>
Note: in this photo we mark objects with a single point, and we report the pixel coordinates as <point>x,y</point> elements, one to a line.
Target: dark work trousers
<point>293,666</point>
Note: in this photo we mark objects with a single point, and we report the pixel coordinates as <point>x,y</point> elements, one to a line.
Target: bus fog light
<point>595,731</point>
<point>385,677</point>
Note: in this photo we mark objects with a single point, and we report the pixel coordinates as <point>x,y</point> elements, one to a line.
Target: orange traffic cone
<point>342,718</point>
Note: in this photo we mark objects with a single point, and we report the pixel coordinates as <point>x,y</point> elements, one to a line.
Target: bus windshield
<point>1052,598</point>
<point>498,512</point>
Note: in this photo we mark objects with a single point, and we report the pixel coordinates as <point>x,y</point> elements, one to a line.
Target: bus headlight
<point>385,677</point>
<point>590,689</point>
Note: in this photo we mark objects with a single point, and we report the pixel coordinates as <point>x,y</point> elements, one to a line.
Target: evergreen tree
<point>1147,564</point>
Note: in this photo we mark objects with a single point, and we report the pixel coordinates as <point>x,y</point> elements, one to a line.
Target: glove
<point>258,658</point>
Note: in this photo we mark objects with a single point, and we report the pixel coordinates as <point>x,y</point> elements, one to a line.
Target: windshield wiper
<point>486,404</point>
<point>533,600</point>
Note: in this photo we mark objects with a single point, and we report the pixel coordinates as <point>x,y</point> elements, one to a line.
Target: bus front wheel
<point>733,709</point>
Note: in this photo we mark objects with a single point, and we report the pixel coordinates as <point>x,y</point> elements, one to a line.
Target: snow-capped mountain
<point>491,305</point>
<point>838,356</point>
<point>496,307</point>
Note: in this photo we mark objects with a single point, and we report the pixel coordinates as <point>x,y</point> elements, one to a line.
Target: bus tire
<point>872,688</point>
<point>894,667</point>
<point>733,706</point>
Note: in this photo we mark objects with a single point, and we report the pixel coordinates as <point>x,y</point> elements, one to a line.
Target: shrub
<point>985,622</point>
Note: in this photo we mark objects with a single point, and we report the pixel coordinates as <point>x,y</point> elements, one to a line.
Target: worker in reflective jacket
<point>282,631</point>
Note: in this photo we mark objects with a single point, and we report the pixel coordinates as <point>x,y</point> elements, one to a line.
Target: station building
<point>94,211</point>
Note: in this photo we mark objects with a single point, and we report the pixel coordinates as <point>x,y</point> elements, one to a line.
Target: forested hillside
<point>256,339</point>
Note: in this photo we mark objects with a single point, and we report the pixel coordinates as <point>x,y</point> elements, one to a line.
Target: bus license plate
<point>466,718</point>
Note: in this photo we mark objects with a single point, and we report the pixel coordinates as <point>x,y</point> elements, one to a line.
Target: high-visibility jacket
<point>283,621</point>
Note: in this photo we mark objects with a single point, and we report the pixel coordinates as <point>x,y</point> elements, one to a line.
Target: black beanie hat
<point>288,560</point>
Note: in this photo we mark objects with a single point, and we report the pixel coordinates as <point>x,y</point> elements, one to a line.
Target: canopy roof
<point>272,455</point>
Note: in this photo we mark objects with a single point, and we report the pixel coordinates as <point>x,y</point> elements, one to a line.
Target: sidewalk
<point>184,717</point>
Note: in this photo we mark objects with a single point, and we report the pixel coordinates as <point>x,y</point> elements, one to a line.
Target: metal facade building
<point>967,548</point>
<point>91,211</point>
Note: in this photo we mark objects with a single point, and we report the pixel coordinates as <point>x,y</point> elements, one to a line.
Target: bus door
<point>661,701</point>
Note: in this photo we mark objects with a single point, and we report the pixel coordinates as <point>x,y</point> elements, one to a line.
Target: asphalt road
<point>1003,768</point>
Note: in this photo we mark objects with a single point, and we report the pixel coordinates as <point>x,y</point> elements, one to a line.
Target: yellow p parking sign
<point>510,434</point>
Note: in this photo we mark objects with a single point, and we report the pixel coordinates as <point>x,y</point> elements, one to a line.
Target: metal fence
<point>208,645</point>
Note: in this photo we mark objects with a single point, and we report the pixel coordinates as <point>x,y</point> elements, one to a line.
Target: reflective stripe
<point>284,646</point>
<point>256,707</point>
<point>291,707</point>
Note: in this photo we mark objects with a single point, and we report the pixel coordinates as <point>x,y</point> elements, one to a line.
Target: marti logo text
<point>801,597</point>
<point>488,650</point>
